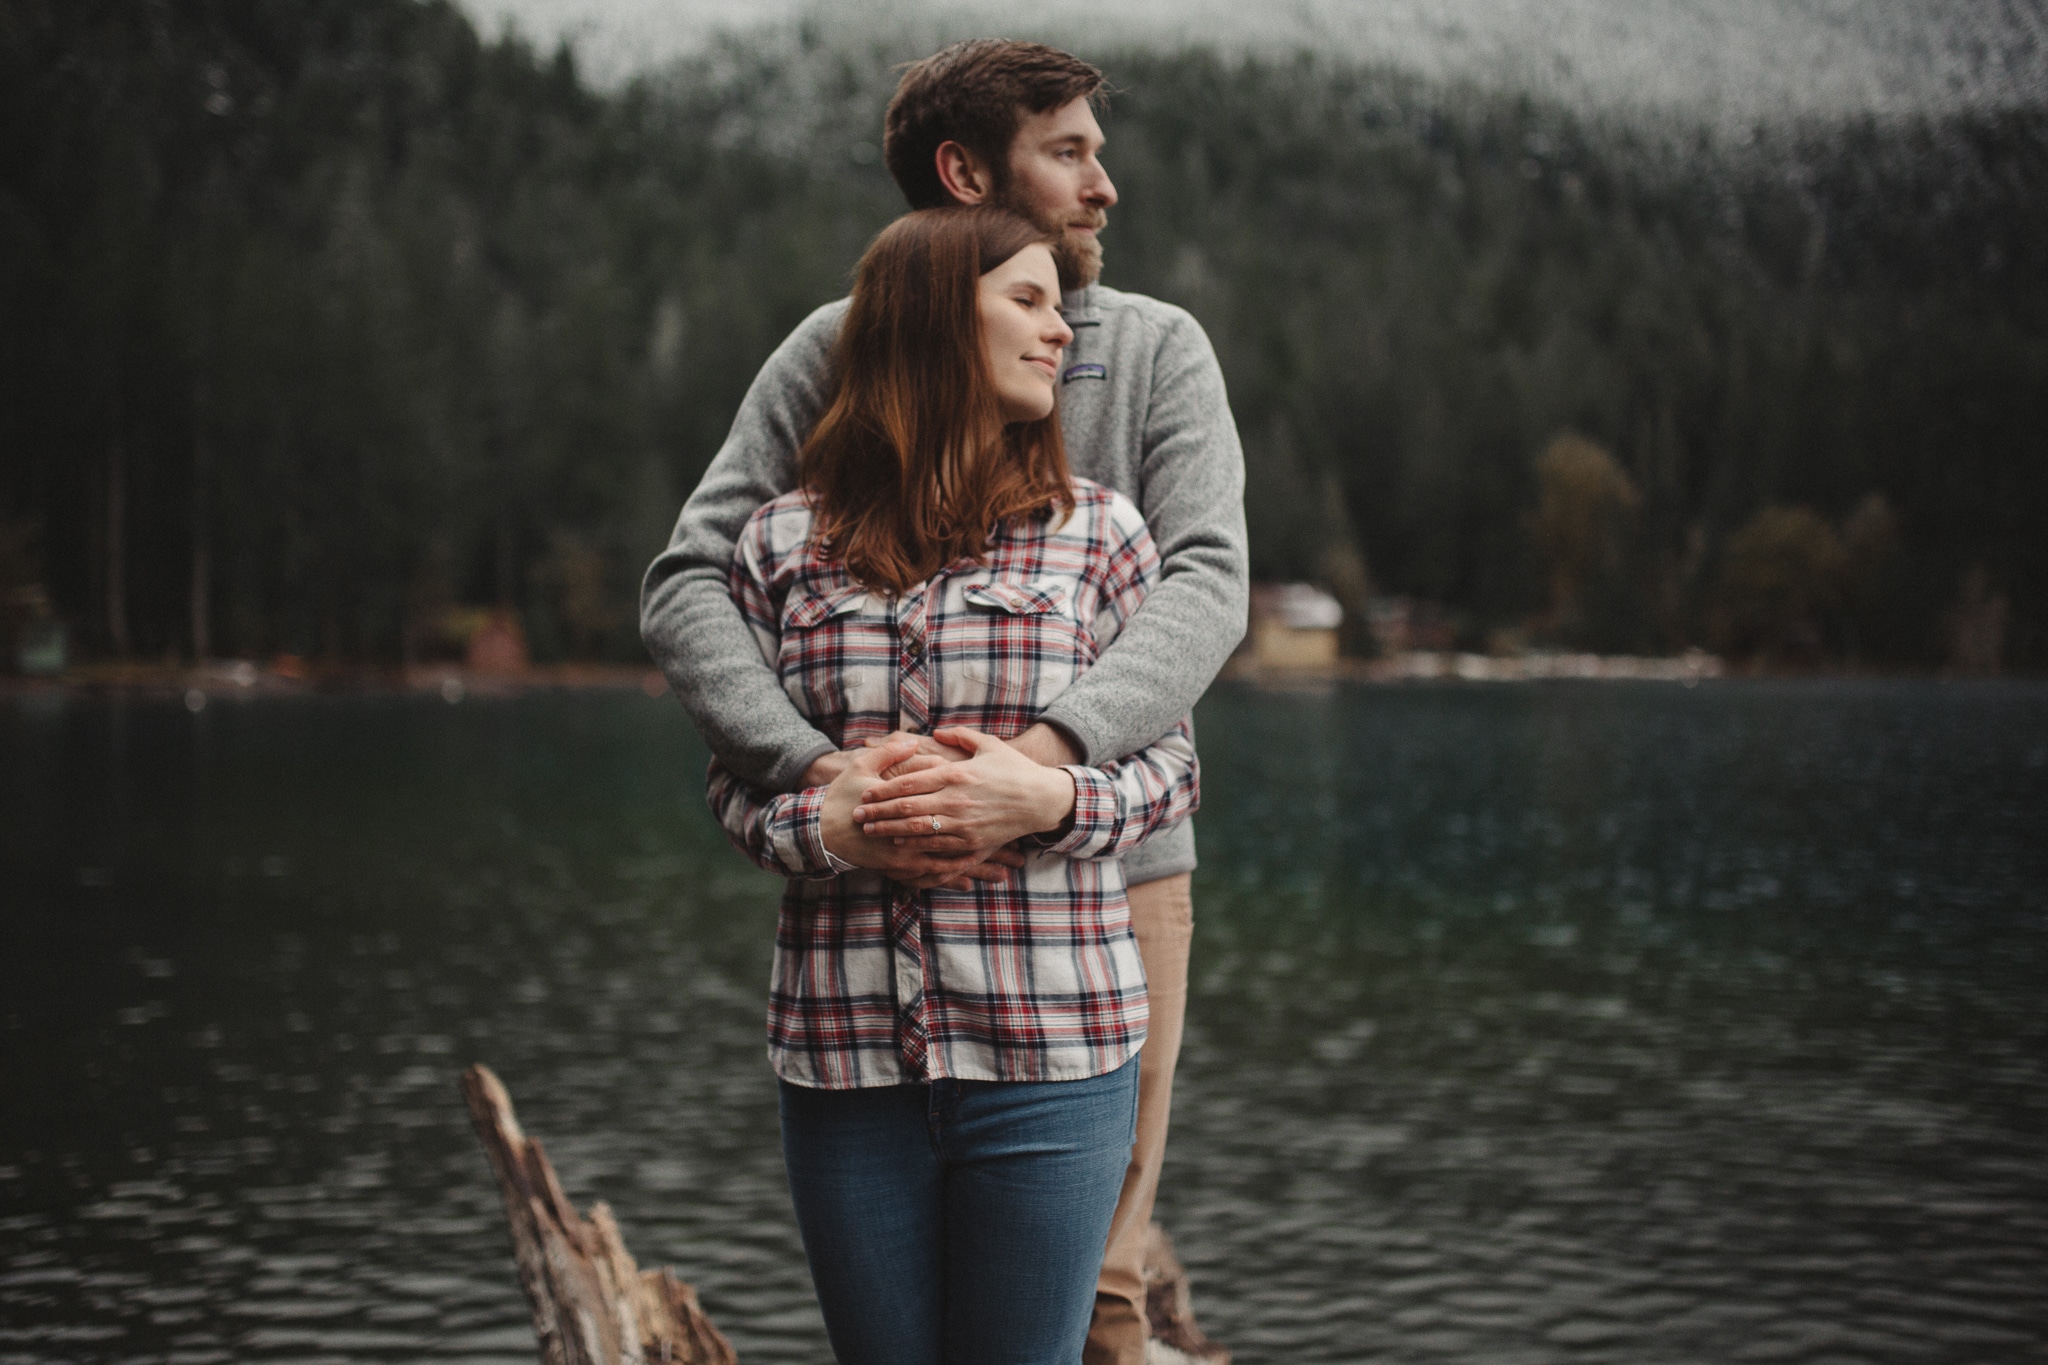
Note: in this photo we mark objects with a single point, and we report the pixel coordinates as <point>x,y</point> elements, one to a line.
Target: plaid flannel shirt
<point>1032,978</point>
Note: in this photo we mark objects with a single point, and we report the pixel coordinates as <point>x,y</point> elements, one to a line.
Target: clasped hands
<point>987,793</point>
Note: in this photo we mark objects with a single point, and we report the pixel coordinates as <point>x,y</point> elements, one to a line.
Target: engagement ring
<point>935,824</point>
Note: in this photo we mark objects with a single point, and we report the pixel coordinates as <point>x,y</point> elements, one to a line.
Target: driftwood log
<point>593,1305</point>
<point>1176,1340</point>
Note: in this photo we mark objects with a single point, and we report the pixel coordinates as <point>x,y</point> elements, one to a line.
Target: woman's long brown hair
<point>912,465</point>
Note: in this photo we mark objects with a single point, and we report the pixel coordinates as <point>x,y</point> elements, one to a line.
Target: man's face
<point>1055,181</point>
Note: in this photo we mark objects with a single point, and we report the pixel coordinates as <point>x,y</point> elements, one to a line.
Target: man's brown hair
<point>975,93</point>
<point>912,466</point>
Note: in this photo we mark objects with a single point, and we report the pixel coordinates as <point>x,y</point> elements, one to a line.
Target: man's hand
<point>859,769</point>
<point>1043,744</point>
<point>1047,745</point>
<point>995,796</point>
<point>926,862</point>
<point>825,767</point>
<point>996,868</point>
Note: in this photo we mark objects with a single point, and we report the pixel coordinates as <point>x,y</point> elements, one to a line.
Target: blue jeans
<point>960,1222</point>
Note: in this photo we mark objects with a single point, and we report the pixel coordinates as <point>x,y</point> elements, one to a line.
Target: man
<point>1143,410</point>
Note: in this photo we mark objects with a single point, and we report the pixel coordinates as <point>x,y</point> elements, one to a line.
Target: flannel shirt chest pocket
<point>1015,643</point>
<point>836,656</point>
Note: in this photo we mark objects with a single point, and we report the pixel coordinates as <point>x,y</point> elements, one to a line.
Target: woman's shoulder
<point>1102,513</point>
<point>780,525</point>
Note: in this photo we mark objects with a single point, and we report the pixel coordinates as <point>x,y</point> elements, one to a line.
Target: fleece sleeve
<point>688,620</point>
<point>1192,496</point>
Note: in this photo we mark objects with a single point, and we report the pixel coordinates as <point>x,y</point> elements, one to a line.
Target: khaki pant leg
<point>1162,915</point>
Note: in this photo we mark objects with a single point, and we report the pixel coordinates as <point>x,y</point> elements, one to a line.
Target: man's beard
<point>1077,254</point>
<point>1079,258</point>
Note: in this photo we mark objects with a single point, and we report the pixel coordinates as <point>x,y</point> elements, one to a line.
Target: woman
<point>957,1063</point>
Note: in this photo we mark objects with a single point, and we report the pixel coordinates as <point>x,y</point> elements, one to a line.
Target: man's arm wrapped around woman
<point>1067,583</point>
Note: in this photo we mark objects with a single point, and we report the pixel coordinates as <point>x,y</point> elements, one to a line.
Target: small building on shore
<point>1293,628</point>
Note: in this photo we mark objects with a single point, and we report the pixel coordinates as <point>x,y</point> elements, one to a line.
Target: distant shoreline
<point>232,680</point>
<point>1687,670</point>
<point>1423,665</point>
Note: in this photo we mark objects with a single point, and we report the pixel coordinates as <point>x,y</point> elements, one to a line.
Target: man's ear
<point>962,174</point>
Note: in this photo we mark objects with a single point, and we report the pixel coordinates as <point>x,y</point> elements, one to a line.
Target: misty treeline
<point>327,323</point>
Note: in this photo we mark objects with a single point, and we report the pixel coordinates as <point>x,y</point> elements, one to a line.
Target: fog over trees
<point>323,321</point>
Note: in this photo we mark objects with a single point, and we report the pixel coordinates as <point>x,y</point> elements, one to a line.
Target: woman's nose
<point>1059,334</point>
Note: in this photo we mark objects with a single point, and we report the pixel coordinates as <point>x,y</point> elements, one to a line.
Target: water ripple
<point>1549,1024</point>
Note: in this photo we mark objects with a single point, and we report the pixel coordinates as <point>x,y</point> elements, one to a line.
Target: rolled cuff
<point>1094,823</point>
<point>800,838</point>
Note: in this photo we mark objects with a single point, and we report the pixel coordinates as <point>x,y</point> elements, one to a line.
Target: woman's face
<point>1023,331</point>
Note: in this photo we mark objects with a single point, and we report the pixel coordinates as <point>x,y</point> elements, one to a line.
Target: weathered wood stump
<point>1170,1309</point>
<point>593,1305</point>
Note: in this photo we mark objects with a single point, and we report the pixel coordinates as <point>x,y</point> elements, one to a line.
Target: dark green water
<point>1573,1023</point>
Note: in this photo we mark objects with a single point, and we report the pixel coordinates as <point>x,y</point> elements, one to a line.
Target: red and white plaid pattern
<point>1033,978</point>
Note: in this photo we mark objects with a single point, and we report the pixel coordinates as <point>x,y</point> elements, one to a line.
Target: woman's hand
<point>996,795</point>
<point>856,770</point>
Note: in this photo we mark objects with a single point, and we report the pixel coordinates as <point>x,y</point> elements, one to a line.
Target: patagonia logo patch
<point>1088,370</point>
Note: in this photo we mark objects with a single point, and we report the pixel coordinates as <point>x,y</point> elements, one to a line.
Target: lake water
<point>1583,1022</point>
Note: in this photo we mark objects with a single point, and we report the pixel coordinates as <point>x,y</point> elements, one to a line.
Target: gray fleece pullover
<point>1143,410</point>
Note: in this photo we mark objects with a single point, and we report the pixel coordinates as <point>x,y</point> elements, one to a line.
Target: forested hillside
<point>322,319</point>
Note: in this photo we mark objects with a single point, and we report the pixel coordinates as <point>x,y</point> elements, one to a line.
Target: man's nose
<point>1099,191</point>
